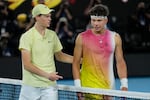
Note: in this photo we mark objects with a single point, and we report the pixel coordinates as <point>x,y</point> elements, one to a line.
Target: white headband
<point>102,17</point>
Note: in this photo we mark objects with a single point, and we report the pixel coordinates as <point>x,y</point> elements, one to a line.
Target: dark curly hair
<point>99,10</point>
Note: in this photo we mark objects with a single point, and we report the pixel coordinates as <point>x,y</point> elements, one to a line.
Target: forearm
<point>76,74</point>
<point>53,76</point>
<point>29,66</point>
<point>35,70</point>
<point>67,58</point>
<point>63,57</point>
<point>122,70</point>
<point>68,14</point>
<point>122,73</point>
<point>76,71</point>
<point>58,13</point>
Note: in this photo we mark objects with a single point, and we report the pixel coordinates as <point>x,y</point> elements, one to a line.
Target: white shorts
<point>38,93</point>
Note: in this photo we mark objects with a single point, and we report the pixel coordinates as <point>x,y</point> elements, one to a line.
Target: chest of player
<point>99,44</point>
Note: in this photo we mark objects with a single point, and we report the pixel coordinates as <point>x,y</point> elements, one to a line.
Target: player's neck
<point>40,29</point>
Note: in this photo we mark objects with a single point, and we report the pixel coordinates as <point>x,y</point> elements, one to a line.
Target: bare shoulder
<point>118,38</point>
<point>78,41</point>
<point>117,35</point>
<point>79,37</point>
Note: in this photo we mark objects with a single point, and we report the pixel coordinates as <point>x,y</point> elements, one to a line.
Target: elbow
<point>27,65</point>
<point>59,57</point>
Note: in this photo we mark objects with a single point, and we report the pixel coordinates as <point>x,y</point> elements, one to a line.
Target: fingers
<point>54,76</point>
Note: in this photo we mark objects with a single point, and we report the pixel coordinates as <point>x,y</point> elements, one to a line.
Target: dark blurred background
<point>129,18</point>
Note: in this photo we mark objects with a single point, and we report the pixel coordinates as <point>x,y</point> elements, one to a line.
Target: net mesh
<point>10,90</point>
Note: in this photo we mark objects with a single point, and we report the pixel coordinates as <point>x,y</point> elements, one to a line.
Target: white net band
<point>71,91</point>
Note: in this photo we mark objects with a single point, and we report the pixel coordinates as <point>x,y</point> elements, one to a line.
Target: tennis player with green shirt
<point>38,47</point>
<point>97,47</point>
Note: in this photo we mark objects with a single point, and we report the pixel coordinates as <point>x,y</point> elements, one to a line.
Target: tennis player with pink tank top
<point>97,64</point>
<point>97,47</point>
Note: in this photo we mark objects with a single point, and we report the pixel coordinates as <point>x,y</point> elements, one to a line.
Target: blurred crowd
<point>138,27</point>
<point>67,26</point>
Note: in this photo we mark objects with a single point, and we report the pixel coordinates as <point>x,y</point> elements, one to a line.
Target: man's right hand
<point>54,76</point>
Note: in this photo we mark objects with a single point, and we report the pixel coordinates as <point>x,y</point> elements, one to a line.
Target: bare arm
<point>120,62</point>
<point>88,7</point>
<point>77,58</point>
<point>63,57</point>
<point>57,27</point>
<point>26,59</point>
<point>68,14</point>
<point>59,12</point>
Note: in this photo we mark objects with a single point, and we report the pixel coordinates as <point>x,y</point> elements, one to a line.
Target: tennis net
<point>10,89</point>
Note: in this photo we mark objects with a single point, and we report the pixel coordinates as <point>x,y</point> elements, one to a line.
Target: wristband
<point>124,82</point>
<point>77,83</point>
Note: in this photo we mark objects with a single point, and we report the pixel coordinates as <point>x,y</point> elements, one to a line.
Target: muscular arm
<point>120,62</point>
<point>77,58</point>
<point>26,59</point>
